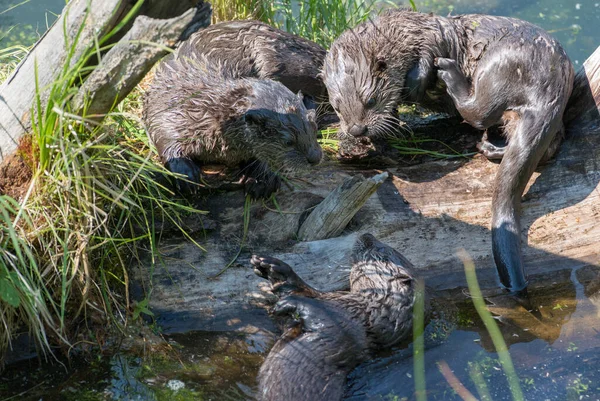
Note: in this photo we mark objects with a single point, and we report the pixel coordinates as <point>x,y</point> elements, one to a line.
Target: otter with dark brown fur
<point>490,70</point>
<point>198,111</point>
<point>261,51</point>
<point>332,332</point>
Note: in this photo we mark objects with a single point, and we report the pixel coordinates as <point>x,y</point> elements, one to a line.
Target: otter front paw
<point>286,306</point>
<point>263,187</point>
<point>272,269</point>
<point>187,168</point>
<point>455,80</point>
<point>281,275</point>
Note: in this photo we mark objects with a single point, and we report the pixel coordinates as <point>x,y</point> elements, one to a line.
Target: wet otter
<point>490,70</point>
<point>201,111</point>
<point>332,332</point>
<point>261,51</point>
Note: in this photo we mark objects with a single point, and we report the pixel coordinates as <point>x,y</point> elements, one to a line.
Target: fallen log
<point>75,35</point>
<point>125,64</point>
<point>332,215</point>
<point>425,211</point>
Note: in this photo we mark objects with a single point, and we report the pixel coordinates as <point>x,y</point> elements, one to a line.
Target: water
<point>556,357</point>
<point>25,23</point>
<point>574,23</point>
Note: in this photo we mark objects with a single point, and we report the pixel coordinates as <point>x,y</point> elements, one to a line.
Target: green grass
<point>318,20</point>
<point>493,330</point>
<point>91,206</point>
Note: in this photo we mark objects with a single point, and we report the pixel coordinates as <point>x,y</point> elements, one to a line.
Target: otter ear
<point>380,64</point>
<point>320,76</point>
<point>255,117</point>
<point>307,101</point>
<point>311,116</point>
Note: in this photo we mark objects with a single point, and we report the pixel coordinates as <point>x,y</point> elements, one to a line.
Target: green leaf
<point>9,293</point>
<point>142,307</point>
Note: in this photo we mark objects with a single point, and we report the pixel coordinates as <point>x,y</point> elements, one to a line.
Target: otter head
<point>370,70</point>
<point>369,252</point>
<point>281,131</point>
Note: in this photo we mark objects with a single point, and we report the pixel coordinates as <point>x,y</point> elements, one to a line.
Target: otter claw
<point>261,189</point>
<point>285,307</point>
<point>271,269</point>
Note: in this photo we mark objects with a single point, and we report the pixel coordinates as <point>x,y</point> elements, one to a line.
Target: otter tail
<point>534,133</point>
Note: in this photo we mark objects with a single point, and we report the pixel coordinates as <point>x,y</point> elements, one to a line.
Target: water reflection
<point>555,356</point>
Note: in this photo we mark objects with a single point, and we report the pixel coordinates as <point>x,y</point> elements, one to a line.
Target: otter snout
<point>358,130</point>
<point>314,155</point>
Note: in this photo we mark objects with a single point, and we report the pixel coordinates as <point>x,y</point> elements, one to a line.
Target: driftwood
<point>125,64</point>
<point>332,215</point>
<point>95,19</point>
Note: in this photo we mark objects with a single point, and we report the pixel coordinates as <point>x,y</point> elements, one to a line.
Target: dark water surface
<point>556,354</point>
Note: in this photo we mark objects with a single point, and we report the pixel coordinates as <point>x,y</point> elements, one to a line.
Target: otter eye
<point>289,142</point>
<point>370,103</point>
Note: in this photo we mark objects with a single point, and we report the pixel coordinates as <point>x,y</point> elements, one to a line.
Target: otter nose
<point>314,155</point>
<point>358,130</point>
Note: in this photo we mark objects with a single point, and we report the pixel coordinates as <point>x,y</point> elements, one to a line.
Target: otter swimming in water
<point>490,70</point>
<point>261,51</point>
<point>332,332</point>
<point>201,111</point>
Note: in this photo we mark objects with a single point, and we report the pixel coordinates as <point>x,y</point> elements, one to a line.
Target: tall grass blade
<point>491,326</point>
<point>419,342</point>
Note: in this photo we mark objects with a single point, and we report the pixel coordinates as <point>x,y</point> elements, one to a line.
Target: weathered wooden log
<point>332,215</point>
<point>582,112</point>
<point>125,64</point>
<point>48,56</point>
<point>72,36</point>
<point>425,211</point>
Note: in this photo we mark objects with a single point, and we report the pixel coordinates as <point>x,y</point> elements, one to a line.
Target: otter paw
<point>491,151</point>
<point>445,63</point>
<point>187,168</point>
<point>261,188</point>
<point>272,269</point>
<point>286,306</point>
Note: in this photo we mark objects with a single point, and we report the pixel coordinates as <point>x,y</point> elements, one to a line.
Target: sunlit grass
<point>318,20</point>
<point>492,328</point>
<point>419,342</point>
<point>92,204</point>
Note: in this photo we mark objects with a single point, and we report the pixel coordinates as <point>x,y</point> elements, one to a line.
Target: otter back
<point>262,51</point>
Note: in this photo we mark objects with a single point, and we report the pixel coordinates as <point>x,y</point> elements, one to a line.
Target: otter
<point>198,110</point>
<point>261,51</point>
<point>330,333</point>
<point>489,70</point>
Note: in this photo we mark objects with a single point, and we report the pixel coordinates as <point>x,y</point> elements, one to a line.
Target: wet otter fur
<point>490,70</point>
<point>201,111</point>
<point>332,332</point>
<point>261,51</point>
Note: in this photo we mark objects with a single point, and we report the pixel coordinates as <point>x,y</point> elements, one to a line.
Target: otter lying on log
<point>261,51</point>
<point>332,332</point>
<point>490,70</point>
<point>198,110</point>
